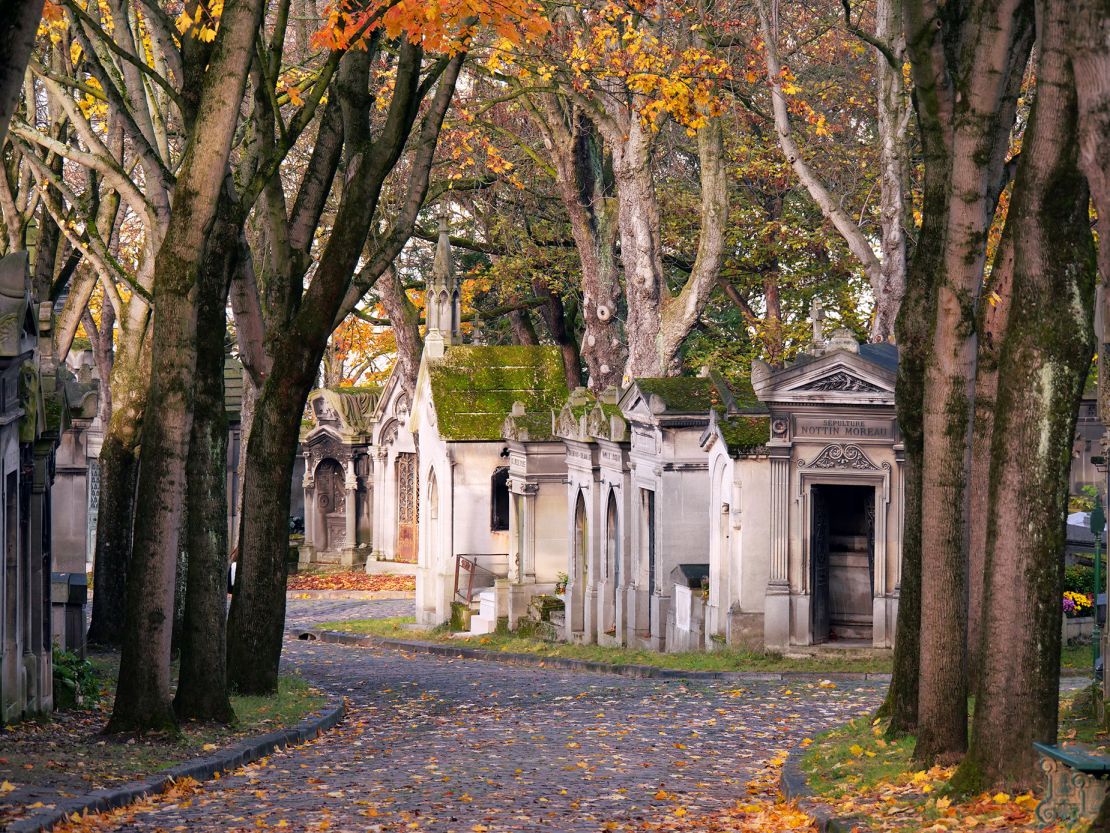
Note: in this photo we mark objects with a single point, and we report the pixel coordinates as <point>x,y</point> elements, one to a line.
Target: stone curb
<point>200,769</point>
<point>336,595</point>
<point>793,783</point>
<point>621,670</point>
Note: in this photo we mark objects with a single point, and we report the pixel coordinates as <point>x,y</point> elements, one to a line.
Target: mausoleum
<point>596,512</point>
<point>338,480</point>
<point>669,503</point>
<point>806,543</point>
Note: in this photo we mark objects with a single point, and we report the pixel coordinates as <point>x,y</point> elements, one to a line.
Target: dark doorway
<point>842,562</point>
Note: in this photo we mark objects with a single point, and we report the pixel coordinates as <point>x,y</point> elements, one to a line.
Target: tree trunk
<point>257,618</point>
<point>404,318</point>
<point>554,317</point>
<point>640,251</point>
<point>119,467</point>
<point>966,133</point>
<point>915,316</point>
<point>581,178</point>
<point>894,112</point>
<point>19,21</point>
<point>992,328</point>
<point>520,323</point>
<point>143,694</point>
<point>1044,360</point>
<point>202,681</point>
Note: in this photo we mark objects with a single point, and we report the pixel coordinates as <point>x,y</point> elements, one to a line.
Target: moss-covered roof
<point>744,395</point>
<point>745,433</point>
<point>474,388</point>
<point>683,394</point>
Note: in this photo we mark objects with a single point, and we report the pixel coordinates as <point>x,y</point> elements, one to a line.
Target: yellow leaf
<point>856,749</point>
<point>183,22</point>
<point>1001,798</point>
<point>7,787</point>
<point>210,747</point>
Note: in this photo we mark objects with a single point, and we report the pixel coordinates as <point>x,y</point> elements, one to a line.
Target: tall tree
<point>967,66</point>
<point>1044,357</point>
<point>143,698</point>
<point>296,328</point>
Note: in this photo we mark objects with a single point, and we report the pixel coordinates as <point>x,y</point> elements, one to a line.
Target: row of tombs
<point>679,513</point>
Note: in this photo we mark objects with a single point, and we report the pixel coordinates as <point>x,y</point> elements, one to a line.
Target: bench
<point>1077,783</point>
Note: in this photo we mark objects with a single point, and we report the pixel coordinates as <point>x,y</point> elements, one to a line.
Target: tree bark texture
<point>585,191</point>
<point>119,467</point>
<point>972,112</point>
<point>143,700</point>
<point>404,320</point>
<point>19,21</point>
<point>202,680</point>
<point>894,113</point>
<point>1044,360</point>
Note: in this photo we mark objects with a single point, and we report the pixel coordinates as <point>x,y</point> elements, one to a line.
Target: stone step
<point>487,604</point>
<point>848,542</point>
<point>481,625</point>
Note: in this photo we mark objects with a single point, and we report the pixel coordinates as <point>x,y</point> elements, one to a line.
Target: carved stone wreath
<point>841,456</point>
<point>842,382</point>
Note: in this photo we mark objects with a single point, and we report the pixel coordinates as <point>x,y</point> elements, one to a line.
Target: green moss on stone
<point>684,394</point>
<point>474,388</point>
<point>745,434</point>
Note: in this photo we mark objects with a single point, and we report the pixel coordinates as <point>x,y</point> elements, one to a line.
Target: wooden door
<point>819,565</point>
<point>331,500</point>
<point>408,506</point>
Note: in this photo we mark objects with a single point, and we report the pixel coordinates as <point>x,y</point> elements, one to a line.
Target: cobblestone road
<point>440,744</point>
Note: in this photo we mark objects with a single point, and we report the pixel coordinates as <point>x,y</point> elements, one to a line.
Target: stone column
<point>381,456</point>
<point>308,548</point>
<point>776,622</point>
<point>350,543</point>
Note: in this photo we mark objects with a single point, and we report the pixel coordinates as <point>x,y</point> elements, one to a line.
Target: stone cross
<point>817,316</point>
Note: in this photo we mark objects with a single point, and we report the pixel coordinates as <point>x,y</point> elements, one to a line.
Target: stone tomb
<point>596,511</point>
<point>464,393</point>
<point>670,496</point>
<point>832,476</point>
<point>338,484</point>
<point>396,476</point>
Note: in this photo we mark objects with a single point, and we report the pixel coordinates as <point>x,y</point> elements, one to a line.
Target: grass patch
<point>1076,659</point>
<point>68,754</point>
<point>725,659</point>
<point>853,757</point>
<point>860,772</point>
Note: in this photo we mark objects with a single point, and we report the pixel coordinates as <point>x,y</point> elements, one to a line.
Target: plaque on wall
<point>844,427</point>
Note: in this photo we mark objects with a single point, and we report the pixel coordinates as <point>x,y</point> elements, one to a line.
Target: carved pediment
<point>567,425</point>
<point>841,381</point>
<point>323,444</point>
<point>841,456</point>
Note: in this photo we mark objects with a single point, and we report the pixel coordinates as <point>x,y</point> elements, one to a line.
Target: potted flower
<point>561,583</point>
<point>1078,611</point>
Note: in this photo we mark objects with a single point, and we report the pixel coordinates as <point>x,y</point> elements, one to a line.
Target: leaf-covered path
<point>439,744</point>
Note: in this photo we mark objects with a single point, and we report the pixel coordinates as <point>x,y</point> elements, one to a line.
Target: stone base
<point>352,557</point>
<point>745,630</point>
<point>776,617</point>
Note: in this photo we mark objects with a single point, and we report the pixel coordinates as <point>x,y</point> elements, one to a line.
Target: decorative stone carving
<point>389,434</point>
<point>841,456</point>
<point>842,382</point>
<point>1069,795</point>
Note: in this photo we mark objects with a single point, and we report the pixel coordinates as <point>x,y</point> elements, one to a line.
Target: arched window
<point>499,499</point>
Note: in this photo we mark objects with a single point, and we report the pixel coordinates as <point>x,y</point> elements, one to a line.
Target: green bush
<point>1079,579</point>
<point>75,682</point>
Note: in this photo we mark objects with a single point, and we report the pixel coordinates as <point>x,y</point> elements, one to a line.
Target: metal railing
<point>475,572</point>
